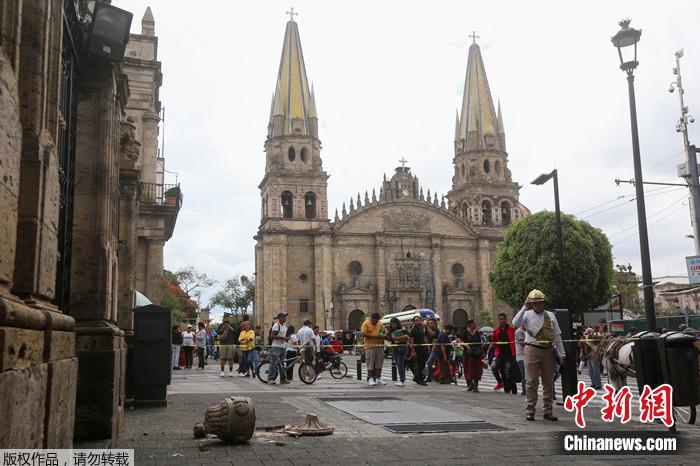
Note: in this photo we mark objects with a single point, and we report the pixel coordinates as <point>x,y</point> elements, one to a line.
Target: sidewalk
<point>164,435</point>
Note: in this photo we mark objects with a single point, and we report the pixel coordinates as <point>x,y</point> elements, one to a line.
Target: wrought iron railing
<point>154,193</point>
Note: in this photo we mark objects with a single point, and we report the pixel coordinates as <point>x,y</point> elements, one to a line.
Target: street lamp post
<point>626,42</point>
<point>569,380</point>
<point>540,180</point>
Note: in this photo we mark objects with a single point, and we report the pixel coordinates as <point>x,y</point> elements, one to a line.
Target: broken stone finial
<point>232,420</point>
<point>311,426</point>
<point>199,430</point>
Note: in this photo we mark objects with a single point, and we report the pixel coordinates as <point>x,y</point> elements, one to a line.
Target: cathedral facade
<point>394,248</point>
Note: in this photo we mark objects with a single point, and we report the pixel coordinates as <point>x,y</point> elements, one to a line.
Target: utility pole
<point>690,170</point>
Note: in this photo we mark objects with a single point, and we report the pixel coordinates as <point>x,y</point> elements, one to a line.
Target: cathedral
<point>397,247</point>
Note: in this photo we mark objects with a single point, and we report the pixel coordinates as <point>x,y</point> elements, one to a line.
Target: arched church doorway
<point>355,319</point>
<point>459,319</point>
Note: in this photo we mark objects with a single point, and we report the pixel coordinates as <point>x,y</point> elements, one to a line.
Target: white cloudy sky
<point>388,77</point>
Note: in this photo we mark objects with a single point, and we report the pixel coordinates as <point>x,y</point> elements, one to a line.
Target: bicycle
<point>338,369</point>
<point>307,373</point>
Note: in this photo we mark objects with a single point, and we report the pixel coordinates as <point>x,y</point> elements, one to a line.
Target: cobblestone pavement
<point>163,436</point>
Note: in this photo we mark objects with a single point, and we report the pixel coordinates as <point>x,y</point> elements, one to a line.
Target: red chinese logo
<point>580,400</point>
<point>617,404</point>
<point>656,404</point>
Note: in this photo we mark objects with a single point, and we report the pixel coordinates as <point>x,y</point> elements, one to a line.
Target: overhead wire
<point>652,223</point>
<point>662,210</point>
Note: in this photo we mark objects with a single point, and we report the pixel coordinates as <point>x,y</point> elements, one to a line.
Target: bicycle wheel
<point>307,373</point>
<point>460,369</point>
<point>339,371</point>
<point>262,369</point>
<point>684,414</point>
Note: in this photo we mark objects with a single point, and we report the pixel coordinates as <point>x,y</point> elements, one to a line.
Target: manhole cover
<point>442,427</point>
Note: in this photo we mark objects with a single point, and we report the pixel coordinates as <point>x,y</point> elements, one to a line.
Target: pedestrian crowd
<point>521,354</point>
<point>231,343</point>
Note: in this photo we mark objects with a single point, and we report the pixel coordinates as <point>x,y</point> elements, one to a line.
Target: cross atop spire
<point>291,14</point>
<point>474,37</point>
<point>403,163</point>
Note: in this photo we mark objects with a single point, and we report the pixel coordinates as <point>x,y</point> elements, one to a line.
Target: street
<point>498,432</point>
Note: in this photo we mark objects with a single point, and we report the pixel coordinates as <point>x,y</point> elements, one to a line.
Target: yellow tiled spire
<point>478,118</point>
<point>293,100</point>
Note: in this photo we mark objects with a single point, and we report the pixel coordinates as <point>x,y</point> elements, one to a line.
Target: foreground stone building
<point>400,246</point>
<point>74,150</point>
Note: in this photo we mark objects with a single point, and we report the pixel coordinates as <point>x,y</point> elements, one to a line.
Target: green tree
<point>527,258</point>
<point>236,295</point>
<point>192,281</point>
<point>486,318</point>
<point>626,284</point>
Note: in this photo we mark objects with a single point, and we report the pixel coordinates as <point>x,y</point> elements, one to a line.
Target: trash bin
<point>151,358</point>
<point>647,363</point>
<point>679,367</point>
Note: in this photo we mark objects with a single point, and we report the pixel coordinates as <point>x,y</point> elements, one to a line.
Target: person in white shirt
<point>307,341</point>
<point>188,346</point>
<point>278,349</point>
<point>542,338</point>
<point>520,356</point>
<point>292,351</point>
<point>201,342</point>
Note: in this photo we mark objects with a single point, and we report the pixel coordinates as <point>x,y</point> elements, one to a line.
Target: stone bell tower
<point>294,186</point>
<point>293,261</point>
<point>483,193</point>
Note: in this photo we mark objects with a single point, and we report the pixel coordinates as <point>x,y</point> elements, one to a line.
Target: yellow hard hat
<point>535,296</point>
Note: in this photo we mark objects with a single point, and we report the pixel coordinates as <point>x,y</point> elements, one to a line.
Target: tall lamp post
<point>569,380</point>
<point>540,180</point>
<point>626,42</point>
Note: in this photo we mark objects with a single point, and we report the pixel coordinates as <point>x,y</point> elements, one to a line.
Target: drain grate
<point>359,398</point>
<point>441,427</point>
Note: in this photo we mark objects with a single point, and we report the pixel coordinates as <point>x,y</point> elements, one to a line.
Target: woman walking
<point>473,353</point>
<point>188,346</point>
<point>399,350</point>
<point>201,341</point>
<point>246,342</point>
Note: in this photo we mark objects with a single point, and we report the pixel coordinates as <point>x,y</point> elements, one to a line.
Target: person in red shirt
<point>504,363</point>
<point>337,344</point>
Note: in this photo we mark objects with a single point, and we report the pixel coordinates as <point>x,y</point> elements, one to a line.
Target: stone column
<point>128,216</point>
<point>154,270</point>
<point>150,147</point>
<point>274,276</point>
<point>437,280</point>
<point>99,343</point>
<point>380,267</point>
<point>484,266</point>
<point>322,276</point>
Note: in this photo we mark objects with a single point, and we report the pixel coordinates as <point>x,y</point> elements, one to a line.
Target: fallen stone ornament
<point>232,420</point>
<point>311,426</point>
<point>199,430</point>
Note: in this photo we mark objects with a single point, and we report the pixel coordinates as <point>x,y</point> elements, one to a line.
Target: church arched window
<point>310,205</point>
<point>497,167</point>
<point>487,166</point>
<point>302,154</point>
<point>291,154</point>
<point>505,213</point>
<point>287,204</point>
<point>486,218</point>
<point>465,212</point>
<point>464,171</point>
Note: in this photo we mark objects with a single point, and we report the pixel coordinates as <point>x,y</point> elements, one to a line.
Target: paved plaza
<point>361,417</point>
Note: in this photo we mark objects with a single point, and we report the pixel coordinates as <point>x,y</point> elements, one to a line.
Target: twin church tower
<point>395,249</point>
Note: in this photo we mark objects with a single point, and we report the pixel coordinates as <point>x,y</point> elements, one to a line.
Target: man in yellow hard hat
<point>542,339</point>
